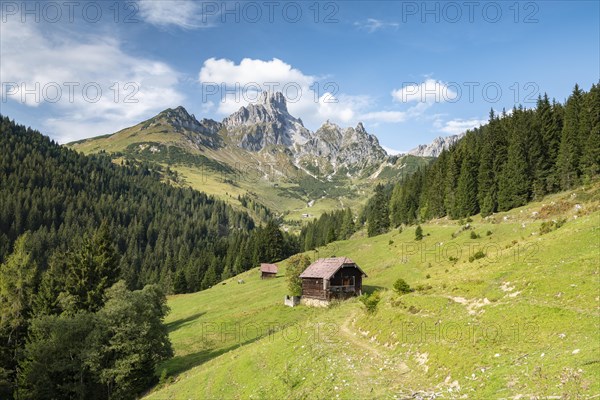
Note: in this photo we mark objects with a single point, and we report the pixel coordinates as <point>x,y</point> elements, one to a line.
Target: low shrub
<point>419,233</point>
<point>550,226</point>
<point>401,287</point>
<point>370,301</point>
<point>477,256</point>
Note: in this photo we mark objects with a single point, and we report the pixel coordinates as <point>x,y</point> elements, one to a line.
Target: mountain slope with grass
<point>263,152</point>
<point>502,306</point>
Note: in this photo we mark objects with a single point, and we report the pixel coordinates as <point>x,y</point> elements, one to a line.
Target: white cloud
<point>244,82</point>
<point>252,71</point>
<point>393,152</point>
<point>186,14</point>
<point>371,25</point>
<point>52,59</point>
<point>308,96</point>
<point>430,91</point>
<point>458,126</point>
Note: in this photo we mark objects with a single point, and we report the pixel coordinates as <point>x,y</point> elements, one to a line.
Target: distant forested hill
<point>181,238</point>
<point>513,159</point>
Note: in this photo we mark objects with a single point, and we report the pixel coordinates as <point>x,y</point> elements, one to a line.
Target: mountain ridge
<point>292,167</point>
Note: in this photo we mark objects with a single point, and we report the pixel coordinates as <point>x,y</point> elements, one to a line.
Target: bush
<point>401,287</point>
<point>419,233</point>
<point>550,226</point>
<point>296,265</point>
<point>422,288</point>
<point>453,259</point>
<point>489,233</point>
<point>546,227</point>
<point>477,256</point>
<point>474,235</point>
<point>391,242</point>
<point>370,301</point>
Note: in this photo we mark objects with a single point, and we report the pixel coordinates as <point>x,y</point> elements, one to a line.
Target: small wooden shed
<point>332,278</point>
<point>268,271</point>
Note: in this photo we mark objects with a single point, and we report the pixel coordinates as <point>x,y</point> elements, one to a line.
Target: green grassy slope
<point>522,321</point>
<point>228,171</point>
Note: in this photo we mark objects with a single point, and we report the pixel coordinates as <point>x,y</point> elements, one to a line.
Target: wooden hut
<point>268,271</point>
<point>332,278</point>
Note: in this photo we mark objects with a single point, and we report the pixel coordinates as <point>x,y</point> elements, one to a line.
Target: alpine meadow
<point>378,200</point>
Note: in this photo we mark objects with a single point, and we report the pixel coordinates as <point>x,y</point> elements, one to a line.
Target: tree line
<point>76,331</point>
<point>515,158</point>
<point>88,250</point>
<point>329,227</point>
<point>163,233</point>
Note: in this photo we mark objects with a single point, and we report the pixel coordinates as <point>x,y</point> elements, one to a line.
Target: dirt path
<point>364,344</point>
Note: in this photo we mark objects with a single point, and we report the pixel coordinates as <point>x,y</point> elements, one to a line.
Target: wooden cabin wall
<point>313,287</point>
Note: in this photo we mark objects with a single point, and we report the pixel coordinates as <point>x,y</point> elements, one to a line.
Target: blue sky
<point>410,71</point>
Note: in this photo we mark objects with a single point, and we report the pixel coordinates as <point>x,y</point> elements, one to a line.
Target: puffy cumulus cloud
<point>252,71</point>
<point>307,96</point>
<point>430,91</point>
<point>313,98</point>
<point>88,83</point>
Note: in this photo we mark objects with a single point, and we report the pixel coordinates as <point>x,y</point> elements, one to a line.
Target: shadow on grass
<point>173,326</point>
<point>179,364</point>
<point>370,289</point>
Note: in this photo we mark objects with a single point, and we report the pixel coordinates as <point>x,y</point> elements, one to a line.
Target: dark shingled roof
<point>270,268</point>
<point>326,267</point>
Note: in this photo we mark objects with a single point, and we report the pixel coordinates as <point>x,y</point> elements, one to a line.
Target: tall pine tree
<point>570,145</point>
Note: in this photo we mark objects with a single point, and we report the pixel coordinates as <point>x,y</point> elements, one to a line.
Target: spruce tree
<point>18,281</point>
<point>590,158</point>
<point>378,219</point>
<point>466,191</point>
<point>180,285</point>
<point>515,180</point>
<point>91,269</point>
<point>570,146</point>
<point>486,179</point>
<point>419,233</point>
<point>451,182</point>
<point>347,228</point>
<point>272,242</point>
<point>18,276</point>
<point>432,196</point>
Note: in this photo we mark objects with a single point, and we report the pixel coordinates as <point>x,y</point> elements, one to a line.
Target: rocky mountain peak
<point>361,129</point>
<point>435,148</point>
<point>270,108</point>
<point>266,122</point>
<point>337,149</point>
<point>275,101</point>
<point>177,117</point>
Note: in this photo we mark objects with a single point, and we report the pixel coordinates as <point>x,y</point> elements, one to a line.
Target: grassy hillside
<point>521,321</point>
<point>227,171</point>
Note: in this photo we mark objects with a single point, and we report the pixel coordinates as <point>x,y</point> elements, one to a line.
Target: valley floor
<point>521,322</point>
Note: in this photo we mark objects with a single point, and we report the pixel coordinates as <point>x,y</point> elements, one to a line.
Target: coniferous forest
<point>88,250</point>
<point>90,246</point>
<point>517,157</point>
<point>160,231</point>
